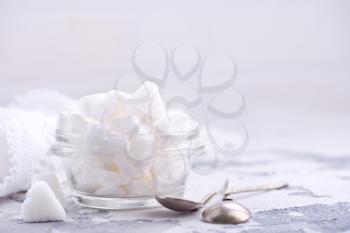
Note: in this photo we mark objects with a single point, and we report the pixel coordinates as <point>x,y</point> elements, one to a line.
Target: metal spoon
<point>179,204</point>
<point>227,211</point>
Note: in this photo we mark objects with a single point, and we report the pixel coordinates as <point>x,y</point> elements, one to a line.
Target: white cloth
<point>27,127</point>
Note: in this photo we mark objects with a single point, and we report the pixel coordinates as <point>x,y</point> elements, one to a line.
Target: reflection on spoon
<point>227,211</point>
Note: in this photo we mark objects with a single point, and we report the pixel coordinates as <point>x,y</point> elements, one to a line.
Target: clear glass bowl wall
<point>120,171</point>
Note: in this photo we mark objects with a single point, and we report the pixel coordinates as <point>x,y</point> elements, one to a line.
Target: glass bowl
<point>123,171</point>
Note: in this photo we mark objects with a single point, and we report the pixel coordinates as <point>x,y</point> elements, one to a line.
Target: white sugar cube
<point>84,175</point>
<point>145,91</point>
<point>41,205</point>
<point>141,147</point>
<point>176,121</point>
<point>147,103</point>
<point>141,186</point>
<point>156,109</point>
<point>51,179</point>
<point>90,176</point>
<point>99,140</point>
<point>97,105</point>
<point>128,169</point>
<point>125,124</point>
<point>170,169</point>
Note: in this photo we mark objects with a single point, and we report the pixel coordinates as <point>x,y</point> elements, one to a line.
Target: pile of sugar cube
<point>122,132</point>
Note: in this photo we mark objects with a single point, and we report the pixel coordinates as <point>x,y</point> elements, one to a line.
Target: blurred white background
<point>293,56</point>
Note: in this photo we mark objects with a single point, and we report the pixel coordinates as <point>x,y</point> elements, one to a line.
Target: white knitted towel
<point>27,127</point>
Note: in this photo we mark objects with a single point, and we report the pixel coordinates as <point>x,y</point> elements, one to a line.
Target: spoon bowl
<point>226,212</point>
<point>178,204</point>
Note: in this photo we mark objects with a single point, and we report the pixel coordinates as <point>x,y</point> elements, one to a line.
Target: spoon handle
<point>227,190</point>
<point>258,188</point>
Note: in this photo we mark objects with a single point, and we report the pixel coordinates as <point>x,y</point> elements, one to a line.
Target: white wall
<point>290,53</point>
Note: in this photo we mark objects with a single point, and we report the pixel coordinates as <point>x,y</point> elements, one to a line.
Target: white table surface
<point>314,160</point>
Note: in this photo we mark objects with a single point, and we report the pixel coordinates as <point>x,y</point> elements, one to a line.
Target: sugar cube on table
<point>41,204</point>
